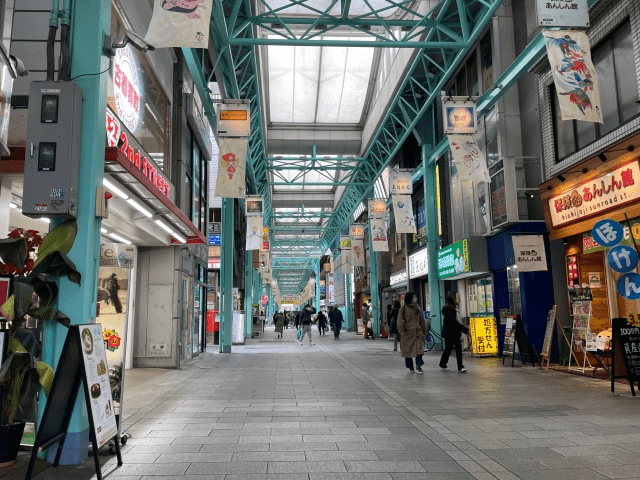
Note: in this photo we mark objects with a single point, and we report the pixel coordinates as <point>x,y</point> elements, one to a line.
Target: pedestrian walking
<point>393,322</point>
<point>388,322</point>
<point>413,329</point>
<point>306,321</point>
<point>322,323</point>
<point>452,329</point>
<point>287,317</point>
<point>335,317</point>
<point>366,321</point>
<point>279,324</point>
<point>296,319</point>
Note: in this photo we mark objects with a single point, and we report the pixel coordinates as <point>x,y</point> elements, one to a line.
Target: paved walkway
<point>349,410</point>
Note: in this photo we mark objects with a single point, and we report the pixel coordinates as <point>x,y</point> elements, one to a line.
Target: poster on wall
<point>180,23</point>
<point>357,253</point>
<point>232,168</point>
<point>403,213</point>
<point>113,295</point>
<point>378,229</point>
<point>529,253</point>
<point>469,162</point>
<point>254,233</point>
<point>459,115</point>
<point>574,75</point>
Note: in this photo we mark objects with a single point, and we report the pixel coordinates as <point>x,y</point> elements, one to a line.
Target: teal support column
<point>350,318</point>
<point>317,270</point>
<point>248,290</point>
<point>373,286</point>
<point>433,239</point>
<point>226,277</point>
<point>91,21</point>
<point>270,304</point>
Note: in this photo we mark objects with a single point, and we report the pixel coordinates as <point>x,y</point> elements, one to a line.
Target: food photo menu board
<point>95,366</point>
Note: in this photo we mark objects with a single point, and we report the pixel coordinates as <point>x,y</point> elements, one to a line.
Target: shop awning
<point>153,194</point>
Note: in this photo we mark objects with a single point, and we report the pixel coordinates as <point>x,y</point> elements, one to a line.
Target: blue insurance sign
<point>628,286</point>
<point>607,233</point>
<point>622,258</point>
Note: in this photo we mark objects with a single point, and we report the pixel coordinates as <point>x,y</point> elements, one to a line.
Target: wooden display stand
<point>582,340</point>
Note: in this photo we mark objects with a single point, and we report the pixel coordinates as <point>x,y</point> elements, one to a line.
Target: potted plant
<point>34,292</point>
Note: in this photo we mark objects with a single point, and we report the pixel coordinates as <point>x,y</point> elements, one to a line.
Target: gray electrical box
<point>52,155</point>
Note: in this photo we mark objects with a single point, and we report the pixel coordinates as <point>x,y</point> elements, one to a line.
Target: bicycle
<point>429,340</point>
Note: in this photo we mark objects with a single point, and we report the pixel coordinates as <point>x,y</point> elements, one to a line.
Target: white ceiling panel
<point>305,88</point>
<point>310,7</point>
<point>281,81</point>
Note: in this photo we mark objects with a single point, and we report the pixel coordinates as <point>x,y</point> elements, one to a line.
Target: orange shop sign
<point>596,196</point>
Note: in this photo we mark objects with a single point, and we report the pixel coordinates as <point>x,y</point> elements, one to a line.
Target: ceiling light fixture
<point>119,238</point>
<point>164,226</point>
<point>118,191</point>
<point>103,230</point>
<point>141,208</point>
<point>179,237</point>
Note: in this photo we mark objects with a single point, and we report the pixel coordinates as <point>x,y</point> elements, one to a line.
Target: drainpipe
<point>51,39</point>
<point>65,20</point>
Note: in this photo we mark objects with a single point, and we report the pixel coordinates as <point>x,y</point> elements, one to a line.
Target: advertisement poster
<point>254,205</point>
<point>468,158</point>
<point>254,233</point>
<point>113,288</point>
<point>484,335</point>
<point>330,292</point>
<point>401,183</point>
<point>403,213</point>
<point>529,253</point>
<point>594,280</point>
<point>357,253</point>
<point>95,365</point>
<point>454,259</point>
<point>356,232</point>
<point>345,254</point>
<point>459,114</point>
<point>574,75</point>
<point>232,168</point>
<point>180,23</point>
<point>379,233</point>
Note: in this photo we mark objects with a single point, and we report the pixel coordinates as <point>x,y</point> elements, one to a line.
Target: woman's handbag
<point>369,326</point>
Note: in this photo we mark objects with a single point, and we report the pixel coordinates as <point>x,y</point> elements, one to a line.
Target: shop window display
<point>480,297</point>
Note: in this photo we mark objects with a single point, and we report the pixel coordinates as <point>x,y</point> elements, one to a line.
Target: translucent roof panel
<point>318,84</point>
<point>311,7</point>
<point>305,180</point>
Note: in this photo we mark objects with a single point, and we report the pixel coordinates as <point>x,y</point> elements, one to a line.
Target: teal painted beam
<point>373,286</point>
<point>350,317</point>
<point>317,271</point>
<point>248,289</point>
<point>451,45</point>
<point>226,277</point>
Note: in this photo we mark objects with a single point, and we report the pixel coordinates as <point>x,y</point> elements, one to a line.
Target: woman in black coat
<point>451,332</point>
<point>393,319</point>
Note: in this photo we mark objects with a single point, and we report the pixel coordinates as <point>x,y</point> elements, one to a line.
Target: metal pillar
<point>373,287</point>
<point>317,270</point>
<point>433,238</point>
<point>91,21</point>
<point>270,304</point>
<point>350,317</point>
<point>248,291</point>
<point>226,277</point>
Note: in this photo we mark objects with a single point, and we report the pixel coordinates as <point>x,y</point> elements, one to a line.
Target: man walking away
<point>279,324</point>
<point>451,331</point>
<point>322,323</point>
<point>335,317</point>
<point>366,321</point>
<point>388,323</point>
<point>305,321</point>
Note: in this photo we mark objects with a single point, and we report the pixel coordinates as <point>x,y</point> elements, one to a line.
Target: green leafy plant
<point>34,292</point>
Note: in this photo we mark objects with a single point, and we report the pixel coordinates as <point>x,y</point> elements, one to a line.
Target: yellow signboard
<point>240,115</point>
<point>484,335</point>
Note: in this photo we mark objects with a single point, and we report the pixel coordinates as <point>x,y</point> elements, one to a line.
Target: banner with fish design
<point>403,212</point>
<point>232,166</point>
<point>180,23</point>
<point>378,230</point>
<point>574,75</point>
<point>254,233</point>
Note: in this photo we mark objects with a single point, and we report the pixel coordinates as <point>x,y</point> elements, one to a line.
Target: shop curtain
<point>378,230</point>
<point>357,253</point>
<point>403,212</point>
<point>232,168</point>
<point>181,23</point>
<point>254,233</point>
<point>574,75</point>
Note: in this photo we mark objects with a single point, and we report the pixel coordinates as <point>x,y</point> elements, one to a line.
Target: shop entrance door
<point>185,334</point>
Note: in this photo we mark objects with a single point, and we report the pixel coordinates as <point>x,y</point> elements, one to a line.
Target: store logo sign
<point>398,277</point>
<point>459,115</point>
<point>454,259</point>
<point>401,183</point>
<point>377,208</point>
<point>127,88</point>
<point>596,196</point>
<point>419,264</point>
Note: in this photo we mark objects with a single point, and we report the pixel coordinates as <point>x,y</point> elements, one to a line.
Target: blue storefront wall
<point>536,288</point>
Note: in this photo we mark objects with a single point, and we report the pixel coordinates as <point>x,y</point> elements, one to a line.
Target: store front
<point>397,288</point>
<point>610,190</point>
<point>418,279</point>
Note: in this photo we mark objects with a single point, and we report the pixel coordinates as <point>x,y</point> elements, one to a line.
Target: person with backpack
<point>452,329</point>
<point>279,323</point>
<point>413,329</point>
<point>335,317</point>
<point>306,321</point>
<point>322,323</point>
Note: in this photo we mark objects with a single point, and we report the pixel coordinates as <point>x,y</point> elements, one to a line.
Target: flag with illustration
<point>468,159</point>
<point>357,252</point>
<point>574,75</point>
<point>378,231</point>
<point>254,233</point>
<point>403,212</point>
<point>180,23</point>
<point>232,166</point>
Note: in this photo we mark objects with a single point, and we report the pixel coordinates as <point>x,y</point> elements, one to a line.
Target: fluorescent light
<point>138,206</point>
<point>164,226</point>
<point>117,190</point>
<point>119,238</point>
<point>179,237</point>
<point>103,230</point>
<point>45,220</point>
<point>13,205</point>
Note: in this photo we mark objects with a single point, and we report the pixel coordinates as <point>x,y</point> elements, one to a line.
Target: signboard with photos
<point>459,115</point>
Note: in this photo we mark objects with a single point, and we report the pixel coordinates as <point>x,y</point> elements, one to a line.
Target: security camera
<point>134,39</point>
<point>18,64</point>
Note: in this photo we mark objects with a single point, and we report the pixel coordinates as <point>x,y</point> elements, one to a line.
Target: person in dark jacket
<point>451,331</point>
<point>366,318</point>
<point>305,322</point>
<point>322,323</point>
<point>393,319</point>
<point>335,317</point>
<point>112,287</point>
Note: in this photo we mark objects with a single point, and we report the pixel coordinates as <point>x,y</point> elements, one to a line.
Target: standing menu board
<point>548,334</point>
<point>509,337</point>
<point>97,379</point>
<point>626,352</point>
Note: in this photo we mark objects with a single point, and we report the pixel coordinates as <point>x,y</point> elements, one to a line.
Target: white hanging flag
<point>180,23</point>
<point>378,230</point>
<point>232,168</point>
<point>357,253</point>
<point>403,211</point>
<point>265,261</point>
<point>254,233</point>
<point>574,75</point>
<point>468,158</point>
<point>345,255</point>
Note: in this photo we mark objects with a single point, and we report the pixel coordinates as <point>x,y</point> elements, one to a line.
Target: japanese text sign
<point>529,253</point>
<point>401,183</point>
<point>622,258</point>
<point>627,333</point>
<point>607,233</point>
<point>356,232</point>
<point>596,196</point>
<point>377,208</point>
<point>484,335</point>
<point>419,264</point>
<point>563,13</point>
<point>454,259</point>
<point>628,286</point>
<point>459,115</point>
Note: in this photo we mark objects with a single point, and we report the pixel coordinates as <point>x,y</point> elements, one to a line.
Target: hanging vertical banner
<point>265,261</point>
<point>377,208</point>
<point>254,233</point>
<point>401,183</point>
<point>180,23</point>
<point>378,230</point>
<point>266,245</point>
<point>357,252</point>
<point>254,205</point>
<point>403,212</point>
<point>232,168</point>
<point>345,255</point>
<point>468,158</point>
<point>356,232</point>
<point>574,75</point>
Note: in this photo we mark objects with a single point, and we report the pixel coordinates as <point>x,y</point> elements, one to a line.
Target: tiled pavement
<point>349,410</point>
